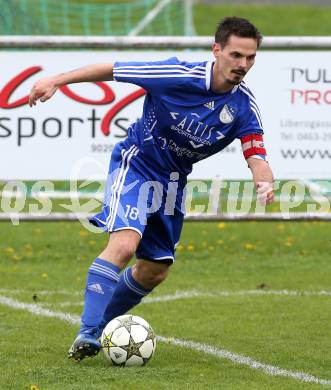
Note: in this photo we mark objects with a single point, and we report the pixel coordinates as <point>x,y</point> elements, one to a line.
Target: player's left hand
<point>265,193</point>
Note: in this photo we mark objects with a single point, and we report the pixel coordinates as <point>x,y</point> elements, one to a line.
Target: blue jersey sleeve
<point>250,121</point>
<point>159,76</point>
<point>249,126</point>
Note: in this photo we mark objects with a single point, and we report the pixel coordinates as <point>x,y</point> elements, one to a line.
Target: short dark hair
<point>236,26</point>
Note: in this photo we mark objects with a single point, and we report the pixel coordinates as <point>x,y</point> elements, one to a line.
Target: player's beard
<point>236,79</point>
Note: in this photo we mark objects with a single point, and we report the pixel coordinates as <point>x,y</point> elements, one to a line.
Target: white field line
<point>178,295</point>
<point>199,294</point>
<point>39,311</point>
<point>192,294</point>
<point>184,294</point>
<point>42,292</point>
<point>246,361</point>
<point>210,350</point>
<point>61,304</point>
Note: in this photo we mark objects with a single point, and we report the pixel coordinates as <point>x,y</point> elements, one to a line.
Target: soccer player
<point>192,110</point>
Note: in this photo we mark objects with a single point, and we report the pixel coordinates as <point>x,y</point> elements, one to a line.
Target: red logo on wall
<point>107,98</point>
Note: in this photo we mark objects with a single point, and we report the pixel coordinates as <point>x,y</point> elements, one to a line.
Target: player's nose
<point>243,63</point>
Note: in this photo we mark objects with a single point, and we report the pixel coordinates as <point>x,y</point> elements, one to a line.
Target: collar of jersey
<point>209,77</point>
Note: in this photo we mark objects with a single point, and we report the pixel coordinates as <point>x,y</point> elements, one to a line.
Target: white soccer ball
<point>128,341</point>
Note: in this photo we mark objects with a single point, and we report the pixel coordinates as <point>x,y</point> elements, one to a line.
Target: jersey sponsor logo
<point>198,133</point>
<point>220,135</point>
<point>197,140</point>
<point>180,151</point>
<point>194,129</point>
<point>174,115</point>
<point>210,105</point>
<point>226,114</point>
<point>164,142</point>
<point>195,145</point>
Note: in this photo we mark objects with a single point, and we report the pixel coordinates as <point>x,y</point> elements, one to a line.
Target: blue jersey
<point>183,120</point>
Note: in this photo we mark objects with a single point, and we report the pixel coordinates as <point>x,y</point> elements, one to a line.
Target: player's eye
<point>236,55</point>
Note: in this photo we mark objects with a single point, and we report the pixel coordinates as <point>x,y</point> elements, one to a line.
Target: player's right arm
<point>45,88</point>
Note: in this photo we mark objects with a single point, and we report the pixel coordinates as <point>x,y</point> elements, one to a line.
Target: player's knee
<point>120,254</point>
<point>149,276</point>
<point>124,252</point>
<point>156,278</point>
<point>121,248</point>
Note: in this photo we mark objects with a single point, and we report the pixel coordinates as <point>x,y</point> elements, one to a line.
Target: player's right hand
<point>42,90</point>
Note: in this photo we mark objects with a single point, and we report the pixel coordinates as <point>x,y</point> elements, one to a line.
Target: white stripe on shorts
<point>111,222</point>
<point>117,182</point>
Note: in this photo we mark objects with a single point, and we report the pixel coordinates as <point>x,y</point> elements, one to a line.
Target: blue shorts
<point>138,197</point>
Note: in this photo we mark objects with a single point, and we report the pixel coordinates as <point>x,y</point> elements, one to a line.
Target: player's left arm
<point>263,179</point>
<point>256,156</point>
<point>250,132</point>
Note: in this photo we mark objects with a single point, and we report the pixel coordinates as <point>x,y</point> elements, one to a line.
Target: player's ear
<point>216,48</point>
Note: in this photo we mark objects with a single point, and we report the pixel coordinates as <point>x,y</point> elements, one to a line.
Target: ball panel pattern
<point>128,341</point>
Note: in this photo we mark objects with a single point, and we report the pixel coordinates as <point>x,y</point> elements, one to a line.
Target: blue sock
<point>102,279</point>
<point>128,294</point>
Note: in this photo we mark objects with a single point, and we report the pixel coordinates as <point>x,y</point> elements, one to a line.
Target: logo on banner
<point>310,86</point>
<point>53,127</point>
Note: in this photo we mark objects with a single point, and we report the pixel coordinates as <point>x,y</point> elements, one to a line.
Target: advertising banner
<point>73,134</point>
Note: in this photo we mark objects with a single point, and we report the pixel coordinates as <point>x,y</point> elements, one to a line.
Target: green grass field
<point>258,290</point>
<point>298,19</point>
<point>45,265</point>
